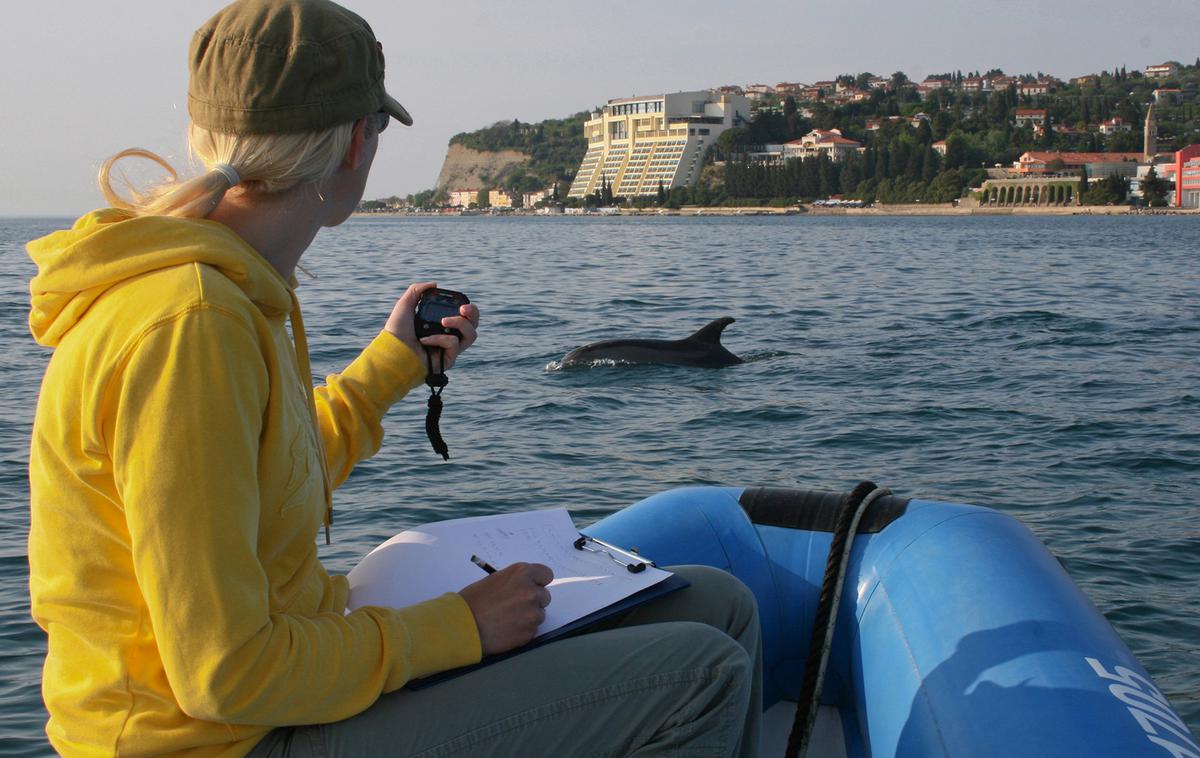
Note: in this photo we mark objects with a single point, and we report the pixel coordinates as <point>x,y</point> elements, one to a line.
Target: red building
<point>1185,171</point>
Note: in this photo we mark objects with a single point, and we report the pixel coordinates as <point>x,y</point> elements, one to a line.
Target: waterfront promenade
<point>907,209</point>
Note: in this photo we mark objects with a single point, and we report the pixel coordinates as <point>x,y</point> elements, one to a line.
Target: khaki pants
<point>680,675</point>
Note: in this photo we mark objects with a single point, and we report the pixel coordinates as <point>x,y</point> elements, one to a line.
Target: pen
<point>481,563</point>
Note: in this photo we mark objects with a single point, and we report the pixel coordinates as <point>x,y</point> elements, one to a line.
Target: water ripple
<point>1044,367</point>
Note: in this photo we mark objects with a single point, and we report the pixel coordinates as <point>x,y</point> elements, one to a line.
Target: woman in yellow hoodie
<point>182,465</point>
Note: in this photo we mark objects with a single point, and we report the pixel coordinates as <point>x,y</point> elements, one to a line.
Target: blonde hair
<point>266,163</point>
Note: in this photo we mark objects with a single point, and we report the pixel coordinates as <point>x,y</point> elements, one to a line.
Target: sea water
<point>1047,367</point>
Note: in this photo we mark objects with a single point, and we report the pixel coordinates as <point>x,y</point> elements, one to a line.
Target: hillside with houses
<point>876,139</point>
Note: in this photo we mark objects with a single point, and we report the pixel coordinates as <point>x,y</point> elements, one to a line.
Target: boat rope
<point>855,505</point>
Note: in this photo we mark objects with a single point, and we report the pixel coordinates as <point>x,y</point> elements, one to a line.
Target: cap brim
<point>396,110</point>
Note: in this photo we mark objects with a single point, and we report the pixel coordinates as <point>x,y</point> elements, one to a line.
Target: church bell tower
<point>1150,146</point>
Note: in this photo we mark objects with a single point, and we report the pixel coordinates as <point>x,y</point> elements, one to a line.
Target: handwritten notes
<point>422,563</point>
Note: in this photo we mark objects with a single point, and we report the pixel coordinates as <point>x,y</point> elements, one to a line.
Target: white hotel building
<point>635,143</point>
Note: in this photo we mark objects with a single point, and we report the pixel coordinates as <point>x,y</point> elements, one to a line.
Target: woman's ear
<point>354,153</point>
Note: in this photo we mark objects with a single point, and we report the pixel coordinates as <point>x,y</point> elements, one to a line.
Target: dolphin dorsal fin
<point>711,334</point>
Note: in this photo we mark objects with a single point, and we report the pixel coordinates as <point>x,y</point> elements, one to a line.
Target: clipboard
<point>632,562</point>
<point>579,626</point>
<point>593,579</point>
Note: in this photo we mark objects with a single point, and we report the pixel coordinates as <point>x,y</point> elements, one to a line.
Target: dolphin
<point>702,349</point>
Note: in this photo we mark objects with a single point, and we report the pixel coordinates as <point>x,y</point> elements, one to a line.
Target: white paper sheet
<point>427,561</point>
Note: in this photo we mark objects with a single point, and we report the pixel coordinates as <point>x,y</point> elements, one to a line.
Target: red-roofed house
<point>1162,71</point>
<point>820,90</point>
<point>874,122</point>
<point>1097,164</point>
<point>1031,117</point>
<point>758,91</point>
<point>931,85</point>
<point>1170,95</point>
<point>940,147</point>
<point>977,84</point>
<point>821,142</point>
<point>1040,87</point>
<point>851,95</point>
<point>1114,125</point>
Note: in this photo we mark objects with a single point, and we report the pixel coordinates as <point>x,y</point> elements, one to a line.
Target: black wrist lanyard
<point>437,382</point>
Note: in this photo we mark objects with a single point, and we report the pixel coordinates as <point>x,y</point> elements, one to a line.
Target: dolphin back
<point>709,339</point>
<point>701,349</point>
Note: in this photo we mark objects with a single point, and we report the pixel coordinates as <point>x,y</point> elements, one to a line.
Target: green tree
<point>851,174</point>
<point>1155,189</point>
<point>729,142</point>
<point>1122,142</point>
<point>943,122</point>
<point>956,150</point>
<point>481,199</point>
<point>1112,190</point>
<point>791,118</point>
<point>945,187</point>
<point>930,167</point>
<point>1047,140</point>
<point>924,132</point>
<point>606,193</point>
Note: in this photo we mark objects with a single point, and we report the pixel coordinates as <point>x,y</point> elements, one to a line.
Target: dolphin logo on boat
<point>702,349</point>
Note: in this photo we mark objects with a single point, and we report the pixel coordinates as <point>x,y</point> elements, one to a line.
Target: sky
<point>81,80</point>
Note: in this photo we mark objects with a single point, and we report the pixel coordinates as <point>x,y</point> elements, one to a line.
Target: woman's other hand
<point>401,324</point>
<point>509,605</point>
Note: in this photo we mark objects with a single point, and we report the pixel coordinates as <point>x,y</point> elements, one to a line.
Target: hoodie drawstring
<point>306,380</point>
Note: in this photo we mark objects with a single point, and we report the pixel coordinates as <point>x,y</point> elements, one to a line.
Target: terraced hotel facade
<point>637,143</point>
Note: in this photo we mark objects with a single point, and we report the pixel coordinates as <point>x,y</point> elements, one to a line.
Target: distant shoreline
<point>915,209</point>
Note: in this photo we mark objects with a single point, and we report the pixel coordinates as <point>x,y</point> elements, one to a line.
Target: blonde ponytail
<point>263,163</point>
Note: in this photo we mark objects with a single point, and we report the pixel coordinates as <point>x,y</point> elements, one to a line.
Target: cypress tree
<point>851,174</point>
<point>915,166</point>
<point>1048,132</point>
<point>827,176</point>
<point>810,179</point>
<point>956,151</point>
<point>898,160</point>
<point>929,169</point>
<point>924,133</point>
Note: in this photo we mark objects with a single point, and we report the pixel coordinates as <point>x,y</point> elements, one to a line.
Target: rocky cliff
<point>465,168</point>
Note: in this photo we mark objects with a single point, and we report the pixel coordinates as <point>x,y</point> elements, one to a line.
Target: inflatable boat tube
<point>958,633</point>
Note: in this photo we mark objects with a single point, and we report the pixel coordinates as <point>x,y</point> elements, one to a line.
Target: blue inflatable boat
<point>957,633</point>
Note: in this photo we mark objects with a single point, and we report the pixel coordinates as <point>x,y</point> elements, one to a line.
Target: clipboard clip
<point>631,561</point>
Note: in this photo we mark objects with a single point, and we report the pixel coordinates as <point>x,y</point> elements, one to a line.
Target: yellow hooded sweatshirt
<point>178,486</point>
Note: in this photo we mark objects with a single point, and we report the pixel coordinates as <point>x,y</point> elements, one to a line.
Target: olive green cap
<point>279,66</point>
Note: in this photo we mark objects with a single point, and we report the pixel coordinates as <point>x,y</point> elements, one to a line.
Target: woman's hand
<point>401,324</point>
<point>509,605</point>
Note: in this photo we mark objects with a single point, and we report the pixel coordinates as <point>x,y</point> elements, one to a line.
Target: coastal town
<point>977,141</point>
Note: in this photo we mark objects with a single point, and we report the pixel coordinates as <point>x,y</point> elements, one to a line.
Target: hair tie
<point>229,172</point>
